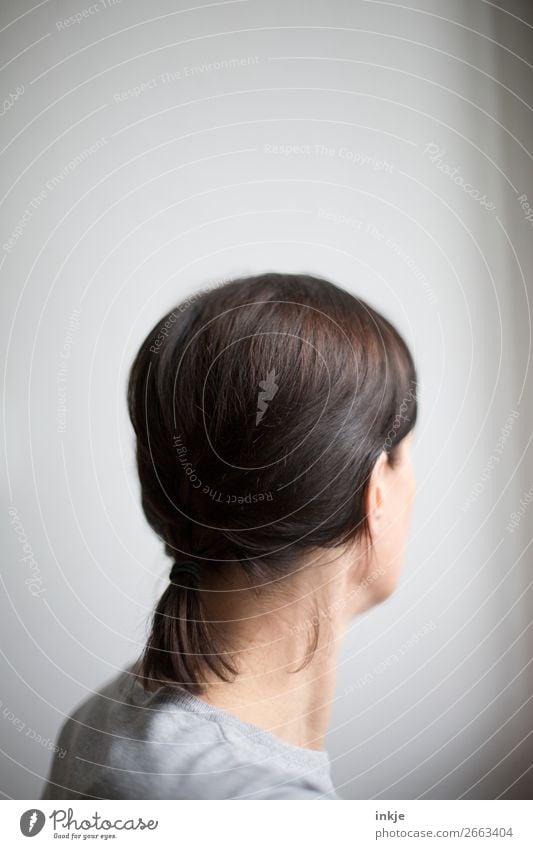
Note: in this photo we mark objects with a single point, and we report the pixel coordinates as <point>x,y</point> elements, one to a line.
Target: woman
<point>273,418</point>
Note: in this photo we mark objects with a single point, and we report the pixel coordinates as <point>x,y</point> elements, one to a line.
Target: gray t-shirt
<point>126,743</point>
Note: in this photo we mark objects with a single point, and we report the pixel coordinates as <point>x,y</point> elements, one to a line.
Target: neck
<point>294,705</point>
<point>287,665</point>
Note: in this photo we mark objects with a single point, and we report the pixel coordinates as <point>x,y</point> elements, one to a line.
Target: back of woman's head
<point>260,408</point>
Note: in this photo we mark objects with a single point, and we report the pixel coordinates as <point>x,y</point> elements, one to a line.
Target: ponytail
<point>182,641</point>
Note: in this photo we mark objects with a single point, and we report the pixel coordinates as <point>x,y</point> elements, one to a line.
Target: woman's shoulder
<point>126,742</point>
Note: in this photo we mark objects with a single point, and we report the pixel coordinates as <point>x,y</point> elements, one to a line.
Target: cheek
<point>387,583</point>
<point>404,508</point>
<point>404,489</point>
<point>392,542</point>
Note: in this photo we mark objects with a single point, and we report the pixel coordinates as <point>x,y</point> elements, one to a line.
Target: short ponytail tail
<point>182,641</point>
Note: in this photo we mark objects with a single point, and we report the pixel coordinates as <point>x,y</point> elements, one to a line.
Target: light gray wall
<point>126,203</point>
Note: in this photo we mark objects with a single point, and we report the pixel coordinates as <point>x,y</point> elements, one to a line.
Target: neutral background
<point>150,149</point>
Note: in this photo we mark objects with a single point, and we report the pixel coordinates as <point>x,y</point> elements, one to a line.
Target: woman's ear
<point>376,494</point>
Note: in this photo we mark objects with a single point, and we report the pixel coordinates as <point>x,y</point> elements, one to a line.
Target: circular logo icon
<point>31,822</point>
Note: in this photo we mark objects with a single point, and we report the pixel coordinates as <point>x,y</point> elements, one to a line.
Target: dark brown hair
<point>260,408</point>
